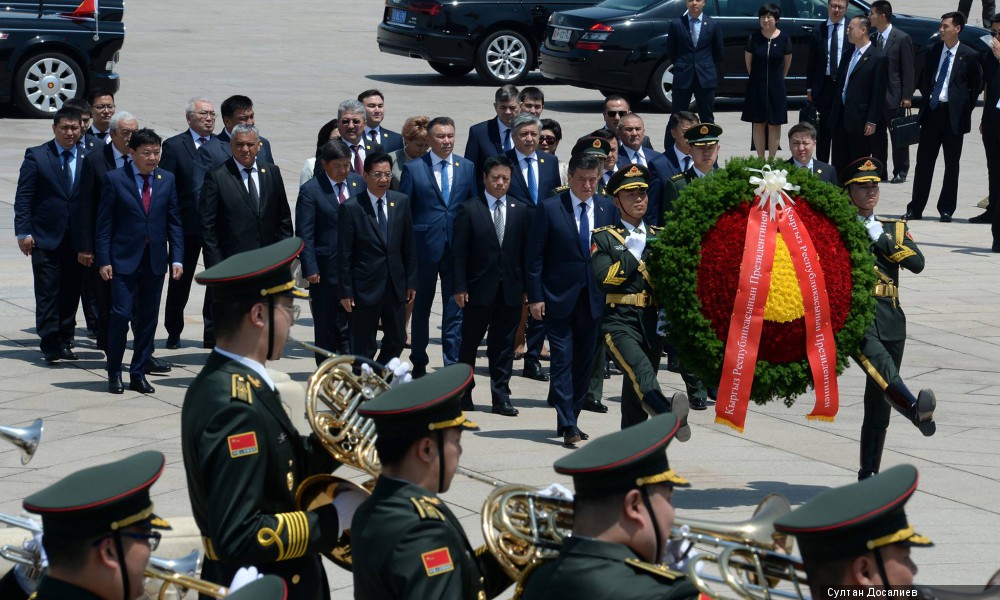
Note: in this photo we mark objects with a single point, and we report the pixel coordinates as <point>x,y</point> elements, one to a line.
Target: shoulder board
<point>427,508</point>
<point>659,571</point>
<point>655,228</point>
<point>677,177</point>
<point>888,220</point>
<point>241,389</point>
<point>605,228</point>
<point>560,189</point>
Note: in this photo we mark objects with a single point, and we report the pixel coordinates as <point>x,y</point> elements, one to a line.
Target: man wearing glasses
<point>616,107</point>
<point>829,48</point>
<point>493,136</point>
<point>102,106</point>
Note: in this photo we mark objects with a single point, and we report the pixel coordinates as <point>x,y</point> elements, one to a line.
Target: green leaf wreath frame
<point>676,256</point>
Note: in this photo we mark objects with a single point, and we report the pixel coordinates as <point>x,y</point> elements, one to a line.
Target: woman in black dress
<point>768,56</point>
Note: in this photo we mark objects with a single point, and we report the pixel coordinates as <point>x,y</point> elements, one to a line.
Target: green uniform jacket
<point>672,192</point>
<point>617,271</point>
<point>244,460</point>
<point>596,570</point>
<point>55,589</point>
<point>893,250</point>
<point>406,543</point>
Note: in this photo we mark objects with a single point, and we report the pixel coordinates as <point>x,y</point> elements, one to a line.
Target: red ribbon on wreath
<point>775,215</point>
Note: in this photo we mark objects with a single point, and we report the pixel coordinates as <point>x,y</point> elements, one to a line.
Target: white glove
<point>677,553</point>
<point>400,370</point>
<point>243,577</point>
<point>661,323</point>
<point>347,502</point>
<point>556,490</point>
<point>874,229</point>
<point>635,244</point>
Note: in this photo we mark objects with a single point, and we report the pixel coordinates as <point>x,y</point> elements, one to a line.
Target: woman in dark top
<point>768,56</point>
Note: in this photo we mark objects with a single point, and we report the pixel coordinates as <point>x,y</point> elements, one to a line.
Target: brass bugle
<point>26,439</point>
<point>20,555</point>
<point>179,573</point>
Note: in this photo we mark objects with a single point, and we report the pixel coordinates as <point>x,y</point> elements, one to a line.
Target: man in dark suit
<point>317,218</point>
<point>351,125</point>
<point>989,6</point>
<point>42,225</point>
<point>378,262</point>
<point>561,287</point>
<point>491,235</point>
<point>235,110</point>
<point>802,141</point>
<point>535,173</point>
<point>676,148</point>
<point>897,47</point>
<point>436,184</point>
<point>243,202</point>
<point>694,45</point>
<point>859,105</point>
<point>178,157</point>
<point>89,140</point>
<point>493,136</point>
<point>631,132</point>
<point>989,127</point>
<point>375,134</point>
<point>137,217</point>
<point>616,107</point>
<point>102,106</point>
<point>830,47</point>
<point>951,82</point>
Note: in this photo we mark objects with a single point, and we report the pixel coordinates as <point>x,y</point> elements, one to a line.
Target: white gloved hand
<point>243,577</point>
<point>400,370</point>
<point>347,502</point>
<point>556,490</point>
<point>661,323</point>
<point>635,244</point>
<point>677,553</point>
<point>874,229</point>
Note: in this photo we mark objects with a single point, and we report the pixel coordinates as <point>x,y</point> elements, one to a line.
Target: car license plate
<point>398,16</point>
<point>560,35</point>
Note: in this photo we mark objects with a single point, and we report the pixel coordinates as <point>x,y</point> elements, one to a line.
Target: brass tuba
<point>522,528</point>
<point>26,439</point>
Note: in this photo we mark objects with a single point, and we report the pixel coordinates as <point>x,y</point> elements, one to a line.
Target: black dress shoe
<point>67,354</point>
<point>52,357</point>
<point>139,384</point>
<point>595,406</point>
<point>155,366</point>
<point>506,409</point>
<point>115,384</point>
<point>173,342</point>
<point>912,216</point>
<point>607,372</point>
<point>208,344</point>
<point>673,365</point>
<point>583,436</point>
<point>418,371</point>
<point>535,372</point>
<point>981,219</point>
<point>946,217</point>
<point>898,178</point>
<point>571,437</point>
<point>698,403</point>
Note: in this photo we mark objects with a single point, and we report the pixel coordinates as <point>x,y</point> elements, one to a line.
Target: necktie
<point>834,52</point>
<point>850,69</point>
<point>67,156</point>
<point>498,220</point>
<point>939,83</point>
<point>687,163</point>
<point>125,161</point>
<point>374,136</point>
<point>252,188</point>
<point>694,30</point>
<point>342,192</point>
<point>506,140</point>
<point>383,223</point>
<point>637,157</point>
<point>881,41</point>
<point>532,182</point>
<point>359,166</point>
<point>445,183</point>
<point>584,230</point>
<point>147,193</point>
<point>201,142</point>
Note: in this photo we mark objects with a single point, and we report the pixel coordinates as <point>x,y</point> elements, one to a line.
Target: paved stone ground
<point>298,64</point>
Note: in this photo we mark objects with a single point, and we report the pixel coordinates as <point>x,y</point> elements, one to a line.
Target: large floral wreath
<point>695,265</point>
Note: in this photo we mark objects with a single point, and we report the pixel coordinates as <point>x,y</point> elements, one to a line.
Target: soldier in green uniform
<point>623,515</point>
<point>243,456</point>
<point>628,326</point>
<point>857,535</point>
<point>98,530</point>
<point>268,587</point>
<point>881,351</point>
<point>406,542</point>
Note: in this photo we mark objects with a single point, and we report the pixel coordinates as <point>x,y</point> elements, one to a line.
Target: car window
<point>739,8</point>
<point>629,5</point>
<point>816,9</point>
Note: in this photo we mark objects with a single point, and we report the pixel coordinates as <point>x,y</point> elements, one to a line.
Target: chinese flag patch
<point>437,562</point>
<point>243,444</point>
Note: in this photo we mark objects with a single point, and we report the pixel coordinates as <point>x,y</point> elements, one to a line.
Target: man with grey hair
<point>493,136</point>
<point>351,125</point>
<point>536,173</point>
<point>243,202</point>
<point>179,153</point>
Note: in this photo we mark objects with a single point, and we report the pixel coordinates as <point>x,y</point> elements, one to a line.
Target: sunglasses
<point>547,139</point>
<point>617,113</point>
<point>995,33</point>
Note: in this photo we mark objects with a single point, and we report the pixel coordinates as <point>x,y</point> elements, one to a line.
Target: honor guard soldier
<point>406,543</point>
<point>623,515</point>
<point>857,535</point>
<point>98,530</point>
<point>243,456</point>
<point>628,327</point>
<point>881,350</point>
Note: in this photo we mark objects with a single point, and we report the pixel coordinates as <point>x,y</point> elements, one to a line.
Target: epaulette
<point>659,571</point>
<point>655,228</point>
<point>677,177</point>
<point>241,389</point>
<point>605,228</point>
<point>427,508</point>
<point>560,189</point>
<point>888,220</point>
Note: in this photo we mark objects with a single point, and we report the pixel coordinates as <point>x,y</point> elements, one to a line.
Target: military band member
<point>98,528</point>
<point>623,515</point>
<point>881,351</point>
<point>628,327</point>
<point>243,456</point>
<point>268,587</point>
<point>857,535</point>
<point>406,542</point>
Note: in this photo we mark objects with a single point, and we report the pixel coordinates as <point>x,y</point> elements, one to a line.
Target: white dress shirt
<point>251,364</point>
<point>576,211</point>
<point>947,76</point>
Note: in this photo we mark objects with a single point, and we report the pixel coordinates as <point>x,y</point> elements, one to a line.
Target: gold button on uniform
<point>295,579</point>
<point>291,481</point>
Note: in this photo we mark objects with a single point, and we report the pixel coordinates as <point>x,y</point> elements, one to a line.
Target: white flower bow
<point>771,187</point>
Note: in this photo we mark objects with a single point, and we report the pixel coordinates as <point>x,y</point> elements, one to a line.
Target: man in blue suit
<point>493,136</point>
<point>694,44</point>
<point>317,218</point>
<point>631,132</point>
<point>137,217</point>
<point>45,185</point>
<point>536,173</point>
<point>561,287</point>
<point>375,134</point>
<point>436,184</point>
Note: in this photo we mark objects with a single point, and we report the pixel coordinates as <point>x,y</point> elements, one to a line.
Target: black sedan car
<point>618,46</point>
<point>51,51</point>
<point>499,38</point>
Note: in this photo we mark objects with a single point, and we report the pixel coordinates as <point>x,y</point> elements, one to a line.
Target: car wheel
<point>505,57</point>
<point>450,70</point>
<point>45,81</point>
<point>661,87</point>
